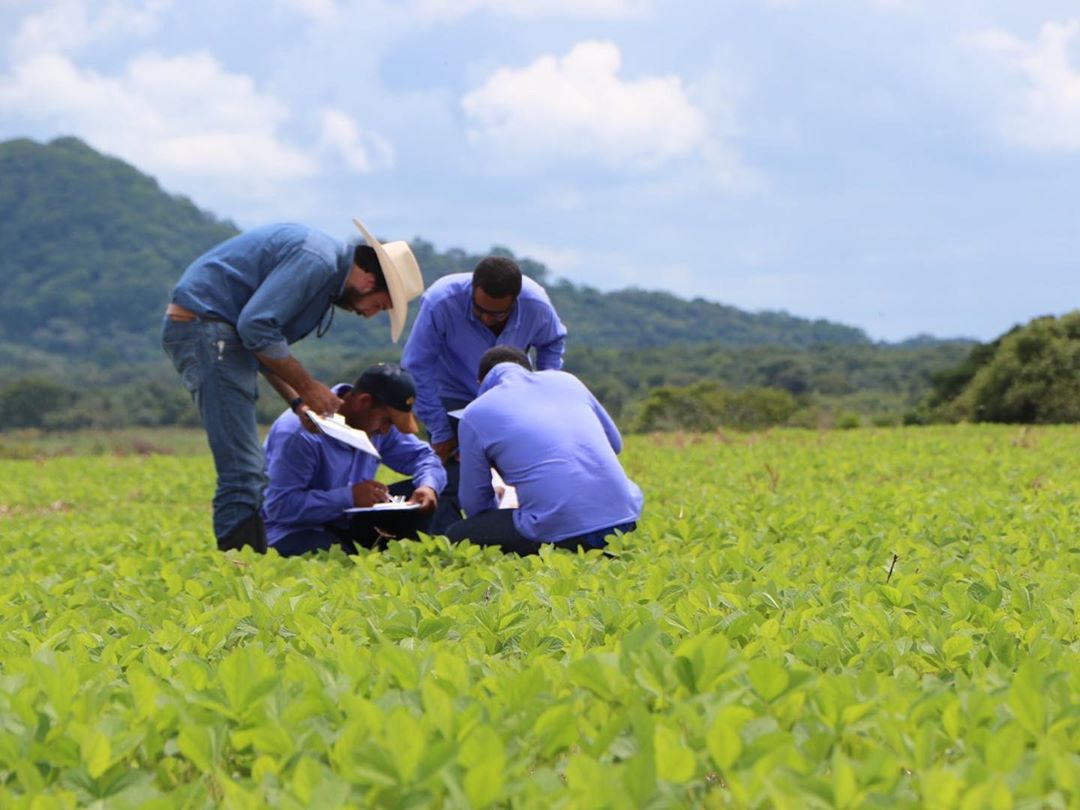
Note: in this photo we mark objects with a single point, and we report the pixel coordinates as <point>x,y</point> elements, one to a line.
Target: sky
<point>904,166</point>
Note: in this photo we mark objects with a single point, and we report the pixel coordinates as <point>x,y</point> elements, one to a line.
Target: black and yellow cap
<point>391,385</point>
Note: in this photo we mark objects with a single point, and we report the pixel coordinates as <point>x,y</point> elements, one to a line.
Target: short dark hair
<point>365,257</point>
<point>498,276</point>
<point>502,354</point>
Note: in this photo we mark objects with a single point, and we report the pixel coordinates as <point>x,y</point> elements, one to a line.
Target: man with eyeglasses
<point>462,316</point>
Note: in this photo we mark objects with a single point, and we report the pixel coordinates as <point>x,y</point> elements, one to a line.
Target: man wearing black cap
<point>314,478</point>
<point>235,312</point>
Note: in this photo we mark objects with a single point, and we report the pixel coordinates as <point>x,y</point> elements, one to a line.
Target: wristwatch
<point>296,403</point>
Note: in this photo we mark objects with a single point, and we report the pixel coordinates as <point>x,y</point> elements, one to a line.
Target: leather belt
<point>175,312</point>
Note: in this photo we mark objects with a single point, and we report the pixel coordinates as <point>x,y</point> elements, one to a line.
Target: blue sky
<point>905,166</point>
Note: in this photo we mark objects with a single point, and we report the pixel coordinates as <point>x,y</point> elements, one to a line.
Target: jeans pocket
<point>232,362</point>
<point>176,332</point>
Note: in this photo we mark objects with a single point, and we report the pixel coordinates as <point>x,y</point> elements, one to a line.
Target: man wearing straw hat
<point>234,313</point>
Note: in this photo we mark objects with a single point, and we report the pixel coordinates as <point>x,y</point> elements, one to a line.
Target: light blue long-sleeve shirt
<point>447,341</point>
<point>548,437</point>
<point>311,475</point>
<point>273,283</point>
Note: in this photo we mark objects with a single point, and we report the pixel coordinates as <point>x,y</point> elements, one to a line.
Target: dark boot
<point>251,533</point>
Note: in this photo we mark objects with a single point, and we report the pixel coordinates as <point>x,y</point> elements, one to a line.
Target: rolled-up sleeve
<point>408,455</point>
<point>474,488</point>
<point>289,499</point>
<point>283,294</point>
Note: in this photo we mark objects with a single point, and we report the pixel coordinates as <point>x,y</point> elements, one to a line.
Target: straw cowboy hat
<point>402,274</point>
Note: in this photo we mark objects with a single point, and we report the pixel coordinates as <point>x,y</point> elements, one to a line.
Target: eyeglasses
<point>494,314</point>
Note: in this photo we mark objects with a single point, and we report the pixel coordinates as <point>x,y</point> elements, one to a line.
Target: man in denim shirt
<point>462,316</point>
<point>234,313</point>
<point>548,437</point>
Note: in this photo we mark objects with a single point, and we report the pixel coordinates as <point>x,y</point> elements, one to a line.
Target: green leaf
<point>845,783</point>
<point>768,678</point>
<point>957,646</point>
<point>96,752</point>
<point>306,777</point>
<point>196,742</point>
<point>556,729</point>
<point>247,675</point>
<point>674,761</point>
<point>724,743</point>
<point>1004,748</point>
<point>1026,698</point>
<point>406,743</point>
<point>483,783</point>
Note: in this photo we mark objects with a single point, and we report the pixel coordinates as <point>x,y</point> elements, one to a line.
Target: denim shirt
<point>548,437</point>
<point>447,341</point>
<point>311,475</point>
<point>274,284</point>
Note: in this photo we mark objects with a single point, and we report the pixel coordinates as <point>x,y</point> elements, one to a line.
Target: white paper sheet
<point>336,428</point>
<point>508,499</point>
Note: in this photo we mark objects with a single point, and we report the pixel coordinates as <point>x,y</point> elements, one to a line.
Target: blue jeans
<point>222,378</point>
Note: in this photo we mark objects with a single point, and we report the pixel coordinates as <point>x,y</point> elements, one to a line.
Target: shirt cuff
<point>343,497</point>
<point>439,433</point>
<point>275,351</point>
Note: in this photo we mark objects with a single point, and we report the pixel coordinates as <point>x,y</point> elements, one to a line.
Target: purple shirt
<point>549,438</point>
<point>446,342</point>
<point>311,475</point>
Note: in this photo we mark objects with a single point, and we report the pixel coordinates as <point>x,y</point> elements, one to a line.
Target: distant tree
<point>706,406</point>
<point>1031,374</point>
<point>30,402</point>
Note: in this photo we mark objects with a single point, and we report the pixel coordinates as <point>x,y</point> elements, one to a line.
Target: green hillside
<point>90,248</point>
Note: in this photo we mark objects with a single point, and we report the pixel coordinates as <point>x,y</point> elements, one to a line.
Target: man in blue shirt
<point>548,437</point>
<point>462,316</point>
<point>234,313</point>
<point>314,478</point>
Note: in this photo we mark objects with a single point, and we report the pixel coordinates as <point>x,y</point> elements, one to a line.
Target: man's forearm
<point>292,375</point>
<point>286,375</point>
<point>285,391</point>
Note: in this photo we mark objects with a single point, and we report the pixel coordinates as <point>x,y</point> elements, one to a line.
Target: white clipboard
<point>389,506</point>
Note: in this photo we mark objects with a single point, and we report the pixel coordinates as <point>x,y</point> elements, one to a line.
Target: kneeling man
<point>548,437</point>
<point>314,478</point>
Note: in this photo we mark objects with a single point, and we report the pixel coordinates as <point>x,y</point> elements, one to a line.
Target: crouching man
<point>314,478</point>
<point>549,438</point>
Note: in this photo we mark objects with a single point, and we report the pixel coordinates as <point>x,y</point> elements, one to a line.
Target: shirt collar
<point>501,373</point>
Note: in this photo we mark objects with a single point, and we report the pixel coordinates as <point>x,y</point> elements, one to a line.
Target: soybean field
<point>866,618</point>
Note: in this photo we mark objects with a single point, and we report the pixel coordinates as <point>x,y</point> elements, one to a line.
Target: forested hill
<point>90,248</point>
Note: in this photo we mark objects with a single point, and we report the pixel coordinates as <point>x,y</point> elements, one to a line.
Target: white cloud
<point>65,26</point>
<point>182,117</point>
<point>361,151</point>
<point>578,107</point>
<point>590,9</point>
<point>1042,110</point>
